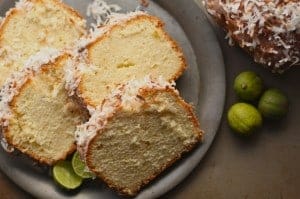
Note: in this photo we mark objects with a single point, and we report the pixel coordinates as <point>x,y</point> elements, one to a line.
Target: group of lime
<point>247,116</point>
<point>71,174</point>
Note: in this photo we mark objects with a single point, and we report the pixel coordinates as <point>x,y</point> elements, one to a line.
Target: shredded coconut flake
<point>122,17</point>
<point>72,70</point>
<point>100,10</point>
<point>111,20</point>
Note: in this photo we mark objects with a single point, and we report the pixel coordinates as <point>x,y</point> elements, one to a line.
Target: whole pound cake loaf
<point>268,29</point>
<point>33,25</point>
<point>139,131</point>
<point>130,46</point>
<point>36,115</point>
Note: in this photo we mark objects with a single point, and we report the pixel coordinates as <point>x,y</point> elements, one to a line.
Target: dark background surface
<point>266,165</point>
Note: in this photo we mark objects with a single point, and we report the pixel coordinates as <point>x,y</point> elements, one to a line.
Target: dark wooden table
<point>266,165</point>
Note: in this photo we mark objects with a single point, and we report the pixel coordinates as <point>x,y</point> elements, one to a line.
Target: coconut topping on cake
<point>270,27</point>
<point>17,80</point>
<point>106,15</point>
<point>121,17</point>
<point>100,10</point>
<point>125,96</point>
<point>24,4</point>
<point>111,20</point>
<point>72,69</point>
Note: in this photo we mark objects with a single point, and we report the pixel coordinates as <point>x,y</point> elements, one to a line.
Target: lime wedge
<point>79,167</point>
<point>64,175</point>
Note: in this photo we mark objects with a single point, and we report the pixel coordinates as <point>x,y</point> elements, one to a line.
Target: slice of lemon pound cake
<point>130,46</point>
<point>36,114</point>
<point>33,25</point>
<point>139,131</point>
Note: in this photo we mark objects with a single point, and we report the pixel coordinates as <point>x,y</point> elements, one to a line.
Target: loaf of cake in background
<point>267,30</point>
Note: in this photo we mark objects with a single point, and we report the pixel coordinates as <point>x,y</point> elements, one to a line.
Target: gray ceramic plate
<point>203,85</point>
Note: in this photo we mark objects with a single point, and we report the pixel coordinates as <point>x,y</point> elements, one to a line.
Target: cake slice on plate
<point>138,132</point>
<point>37,116</point>
<point>130,46</point>
<point>33,25</point>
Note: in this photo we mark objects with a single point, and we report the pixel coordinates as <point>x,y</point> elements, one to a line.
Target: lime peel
<point>244,118</point>
<point>248,86</point>
<point>80,168</point>
<point>65,176</point>
<point>273,104</point>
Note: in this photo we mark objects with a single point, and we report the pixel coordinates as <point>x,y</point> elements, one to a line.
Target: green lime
<point>244,118</point>
<point>65,176</point>
<point>273,104</point>
<point>80,167</point>
<point>248,86</point>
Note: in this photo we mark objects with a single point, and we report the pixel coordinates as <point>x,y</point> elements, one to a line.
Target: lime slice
<point>64,175</point>
<point>80,167</point>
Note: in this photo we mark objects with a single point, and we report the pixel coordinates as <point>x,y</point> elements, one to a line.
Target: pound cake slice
<point>130,46</point>
<point>36,114</point>
<point>139,131</point>
<point>33,25</point>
